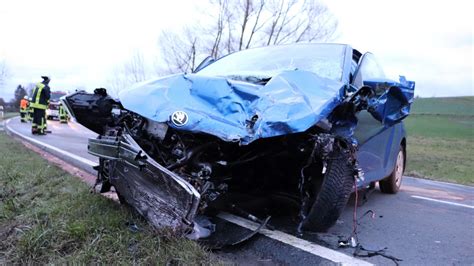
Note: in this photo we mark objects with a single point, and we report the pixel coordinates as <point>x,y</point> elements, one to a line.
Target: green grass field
<point>457,106</point>
<point>49,217</point>
<point>441,139</point>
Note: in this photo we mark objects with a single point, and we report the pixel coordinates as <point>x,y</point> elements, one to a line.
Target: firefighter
<point>24,109</point>
<point>41,95</point>
<point>29,112</point>
<point>63,116</point>
<point>45,128</point>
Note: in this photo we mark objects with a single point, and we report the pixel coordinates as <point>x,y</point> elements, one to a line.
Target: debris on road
<point>353,240</point>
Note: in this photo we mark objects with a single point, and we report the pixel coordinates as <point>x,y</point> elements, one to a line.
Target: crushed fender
<point>188,146</point>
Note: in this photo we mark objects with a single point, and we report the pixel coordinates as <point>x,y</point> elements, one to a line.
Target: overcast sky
<point>78,43</point>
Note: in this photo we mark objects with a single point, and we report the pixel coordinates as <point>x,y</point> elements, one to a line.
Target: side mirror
<point>207,61</point>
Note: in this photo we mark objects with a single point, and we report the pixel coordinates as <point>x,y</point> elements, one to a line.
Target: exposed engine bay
<point>171,176</point>
<point>290,129</point>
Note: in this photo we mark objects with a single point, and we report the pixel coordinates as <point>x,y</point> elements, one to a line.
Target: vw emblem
<point>179,118</point>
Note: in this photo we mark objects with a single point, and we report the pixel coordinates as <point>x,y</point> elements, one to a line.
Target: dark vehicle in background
<point>53,107</point>
<point>296,125</point>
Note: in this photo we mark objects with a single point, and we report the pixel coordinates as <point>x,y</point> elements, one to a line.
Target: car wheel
<point>106,177</point>
<point>392,183</point>
<point>332,195</point>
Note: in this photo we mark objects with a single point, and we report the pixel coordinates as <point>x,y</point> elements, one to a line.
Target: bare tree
<point>4,73</point>
<point>180,50</point>
<point>132,71</point>
<point>296,21</point>
<point>117,82</point>
<point>135,69</point>
<point>242,24</point>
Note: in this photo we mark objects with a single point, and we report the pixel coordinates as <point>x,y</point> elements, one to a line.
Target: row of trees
<point>236,25</point>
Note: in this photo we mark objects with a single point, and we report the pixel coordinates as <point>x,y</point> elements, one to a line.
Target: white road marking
<point>437,183</point>
<point>442,201</point>
<point>42,144</point>
<point>299,243</point>
<point>288,239</point>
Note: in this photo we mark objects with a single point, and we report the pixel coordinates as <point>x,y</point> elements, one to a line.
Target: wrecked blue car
<point>291,129</point>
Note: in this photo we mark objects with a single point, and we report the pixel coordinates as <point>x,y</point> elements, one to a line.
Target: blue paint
<point>291,102</point>
<point>394,105</point>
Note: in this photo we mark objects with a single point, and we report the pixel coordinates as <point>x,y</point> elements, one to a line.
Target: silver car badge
<point>179,118</point>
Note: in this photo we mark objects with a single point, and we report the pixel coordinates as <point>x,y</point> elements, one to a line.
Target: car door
<point>375,139</point>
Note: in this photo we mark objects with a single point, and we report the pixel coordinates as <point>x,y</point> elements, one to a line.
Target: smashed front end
<point>173,170</point>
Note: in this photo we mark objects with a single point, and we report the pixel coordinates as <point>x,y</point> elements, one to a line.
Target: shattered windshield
<point>260,64</point>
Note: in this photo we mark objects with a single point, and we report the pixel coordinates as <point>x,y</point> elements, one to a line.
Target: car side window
<point>369,69</point>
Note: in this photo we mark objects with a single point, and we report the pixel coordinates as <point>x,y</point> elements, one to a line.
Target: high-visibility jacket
<point>23,104</point>
<point>41,95</point>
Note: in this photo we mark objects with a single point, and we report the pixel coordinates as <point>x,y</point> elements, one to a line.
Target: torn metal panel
<point>249,127</point>
<point>393,105</point>
<point>92,110</point>
<point>161,196</point>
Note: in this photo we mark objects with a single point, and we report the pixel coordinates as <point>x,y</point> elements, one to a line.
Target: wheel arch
<point>403,144</point>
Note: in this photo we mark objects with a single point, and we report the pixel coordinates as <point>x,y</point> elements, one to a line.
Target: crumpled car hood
<point>290,102</point>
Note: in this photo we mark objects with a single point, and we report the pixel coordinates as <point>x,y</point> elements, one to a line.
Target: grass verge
<point>49,216</point>
<point>8,115</point>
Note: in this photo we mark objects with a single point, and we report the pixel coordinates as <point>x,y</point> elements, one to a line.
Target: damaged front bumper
<point>161,196</point>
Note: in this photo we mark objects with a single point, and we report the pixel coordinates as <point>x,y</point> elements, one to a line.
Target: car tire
<point>332,195</point>
<point>392,183</point>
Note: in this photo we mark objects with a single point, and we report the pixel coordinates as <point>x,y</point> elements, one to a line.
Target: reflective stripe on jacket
<point>41,96</point>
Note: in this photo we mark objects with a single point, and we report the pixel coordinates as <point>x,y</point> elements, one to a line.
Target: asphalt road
<point>426,223</point>
<point>71,137</point>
